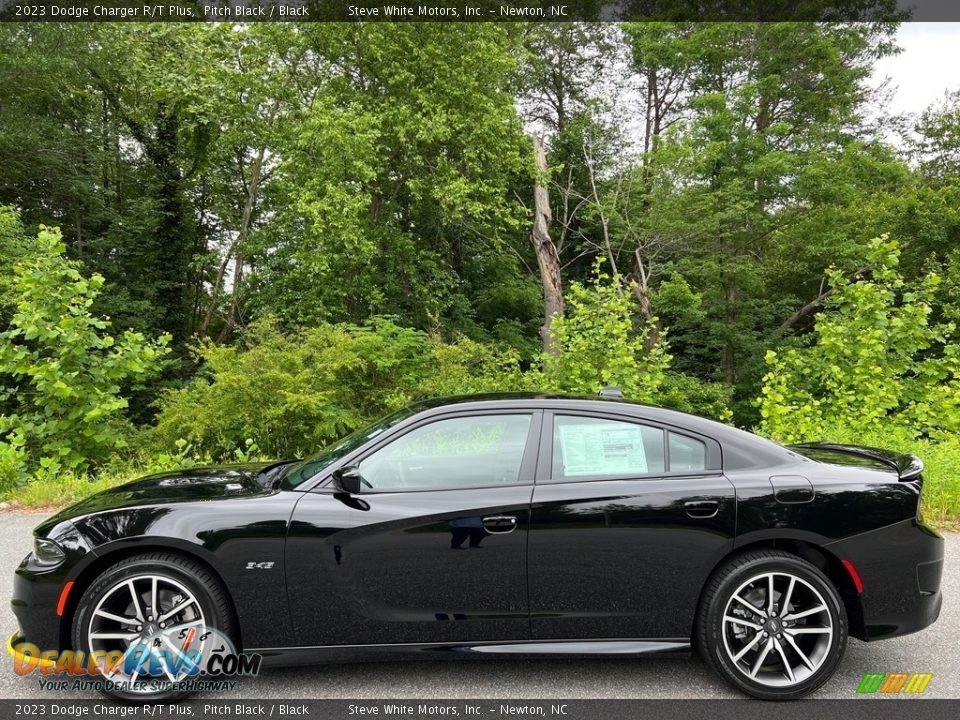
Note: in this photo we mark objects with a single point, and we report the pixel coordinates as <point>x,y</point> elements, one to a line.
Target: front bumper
<point>34,602</point>
<point>900,566</point>
<point>37,590</point>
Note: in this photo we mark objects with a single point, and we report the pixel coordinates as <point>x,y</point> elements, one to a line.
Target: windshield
<point>313,465</point>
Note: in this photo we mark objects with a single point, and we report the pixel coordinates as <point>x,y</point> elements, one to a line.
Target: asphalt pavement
<point>934,650</point>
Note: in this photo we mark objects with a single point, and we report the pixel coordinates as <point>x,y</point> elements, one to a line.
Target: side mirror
<point>347,479</point>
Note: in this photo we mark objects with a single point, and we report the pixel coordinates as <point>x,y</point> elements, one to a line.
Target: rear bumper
<point>900,566</point>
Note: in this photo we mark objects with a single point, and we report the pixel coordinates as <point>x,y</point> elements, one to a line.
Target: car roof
<point>485,401</point>
<point>749,450</point>
<point>544,399</point>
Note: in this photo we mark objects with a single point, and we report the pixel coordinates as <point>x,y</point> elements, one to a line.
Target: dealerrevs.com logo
<point>199,661</point>
<point>897,683</point>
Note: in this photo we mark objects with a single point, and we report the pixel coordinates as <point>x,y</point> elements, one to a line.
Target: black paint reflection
<point>623,558</point>
<point>467,529</point>
<point>407,568</point>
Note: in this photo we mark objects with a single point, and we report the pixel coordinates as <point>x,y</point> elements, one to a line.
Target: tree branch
<point>818,300</point>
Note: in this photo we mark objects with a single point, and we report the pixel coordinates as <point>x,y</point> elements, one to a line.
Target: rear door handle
<point>500,524</point>
<point>702,509</point>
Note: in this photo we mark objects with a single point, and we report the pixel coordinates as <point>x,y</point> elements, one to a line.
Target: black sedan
<point>497,526</point>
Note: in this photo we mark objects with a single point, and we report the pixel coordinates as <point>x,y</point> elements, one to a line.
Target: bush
<point>292,394</point>
<point>13,465</point>
<point>689,394</point>
<point>941,488</point>
<point>13,246</point>
<point>466,367</point>
<point>877,364</point>
<point>62,374</point>
<point>599,343</point>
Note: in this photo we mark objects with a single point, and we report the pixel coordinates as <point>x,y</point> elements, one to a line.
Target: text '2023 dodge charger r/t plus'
<point>496,526</point>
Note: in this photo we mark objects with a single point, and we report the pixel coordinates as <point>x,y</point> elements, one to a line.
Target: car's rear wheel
<point>158,613</point>
<point>772,625</point>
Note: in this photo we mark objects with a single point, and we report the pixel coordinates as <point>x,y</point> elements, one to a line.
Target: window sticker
<point>602,449</point>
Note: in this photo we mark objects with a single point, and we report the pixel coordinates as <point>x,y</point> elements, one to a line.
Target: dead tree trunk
<point>246,222</point>
<point>548,259</point>
<point>641,289</point>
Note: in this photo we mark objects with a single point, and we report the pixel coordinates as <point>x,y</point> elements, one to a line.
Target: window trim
<point>714,465</point>
<point>525,476</point>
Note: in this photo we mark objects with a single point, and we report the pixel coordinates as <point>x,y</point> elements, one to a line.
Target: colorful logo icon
<point>894,683</point>
<point>154,664</point>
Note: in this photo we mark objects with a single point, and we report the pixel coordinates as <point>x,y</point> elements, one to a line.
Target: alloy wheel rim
<point>777,629</point>
<point>147,618</point>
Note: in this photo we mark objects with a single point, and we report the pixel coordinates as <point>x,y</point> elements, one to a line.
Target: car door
<point>628,519</point>
<point>433,549</point>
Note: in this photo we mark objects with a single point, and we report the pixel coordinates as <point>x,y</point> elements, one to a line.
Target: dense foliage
<point>332,220</point>
<point>290,393</point>
<point>878,363</point>
<point>62,375</point>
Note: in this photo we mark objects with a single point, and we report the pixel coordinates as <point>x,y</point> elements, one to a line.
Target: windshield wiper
<point>272,475</point>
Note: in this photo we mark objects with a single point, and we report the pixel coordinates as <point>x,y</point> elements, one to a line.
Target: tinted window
<point>313,465</point>
<point>687,454</point>
<point>457,452</point>
<point>584,447</point>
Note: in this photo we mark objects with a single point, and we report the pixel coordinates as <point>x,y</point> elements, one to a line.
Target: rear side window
<point>591,447</point>
<point>687,454</point>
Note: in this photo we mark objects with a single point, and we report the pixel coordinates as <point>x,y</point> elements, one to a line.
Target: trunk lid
<point>907,467</point>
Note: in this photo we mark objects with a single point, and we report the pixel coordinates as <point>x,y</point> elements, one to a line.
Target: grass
<point>941,487</point>
<point>54,492</point>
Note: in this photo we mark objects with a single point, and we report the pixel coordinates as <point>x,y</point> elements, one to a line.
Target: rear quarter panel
<point>846,501</point>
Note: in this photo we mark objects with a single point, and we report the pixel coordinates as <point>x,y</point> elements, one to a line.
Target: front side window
<point>330,454</point>
<point>591,447</point>
<point>476,451</point>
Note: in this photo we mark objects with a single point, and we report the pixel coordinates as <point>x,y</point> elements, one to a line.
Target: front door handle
<point>500,524</point>
<point>702,509</point>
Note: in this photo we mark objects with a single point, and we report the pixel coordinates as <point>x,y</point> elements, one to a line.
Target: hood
<point>201,483</point>
<point>907,467</point>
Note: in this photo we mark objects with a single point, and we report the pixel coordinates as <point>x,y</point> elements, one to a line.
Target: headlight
<point>47,552</point>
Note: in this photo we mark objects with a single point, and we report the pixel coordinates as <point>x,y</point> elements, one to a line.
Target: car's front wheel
<point>772,625</point>
<point>152,616</point>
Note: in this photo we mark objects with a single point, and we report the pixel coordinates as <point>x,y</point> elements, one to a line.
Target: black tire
<point>207,589</point>
<point>710,627</point>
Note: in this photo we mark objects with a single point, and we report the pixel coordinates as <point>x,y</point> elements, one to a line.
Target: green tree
<point>761,107</point>
<point>599,343</point>
<point>62,375</point>
<point>399,168</point>
<point>106,133</point>
<point>877,363</point>
<point>937,141</point>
